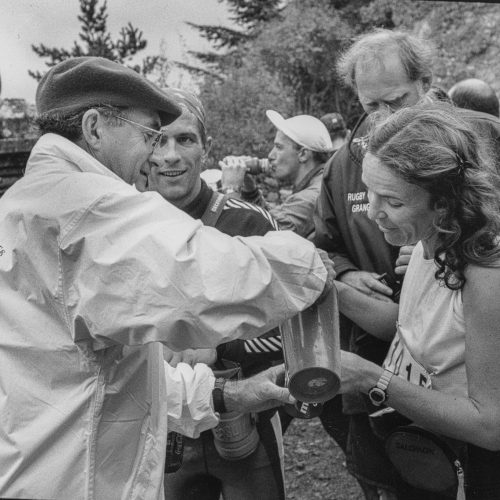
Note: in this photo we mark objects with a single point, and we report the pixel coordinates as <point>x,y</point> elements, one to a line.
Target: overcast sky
<point>55,23</point>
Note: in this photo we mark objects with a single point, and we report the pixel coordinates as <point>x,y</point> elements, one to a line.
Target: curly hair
<point>415,55</point>
<point>69,125</point>
<point>433,147</point>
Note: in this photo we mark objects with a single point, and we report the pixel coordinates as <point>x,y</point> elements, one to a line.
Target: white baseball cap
<point>305,130</point>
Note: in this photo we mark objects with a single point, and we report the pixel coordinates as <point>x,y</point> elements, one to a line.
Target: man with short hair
<point>174,172</point>
<point>301,148</point>
<point>95,277</point>
<point>475,94</point>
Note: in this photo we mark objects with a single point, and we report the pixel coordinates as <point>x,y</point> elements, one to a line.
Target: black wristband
<point>218,395</point>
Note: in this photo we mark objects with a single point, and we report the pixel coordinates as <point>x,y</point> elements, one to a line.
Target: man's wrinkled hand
<point>258,393</point>
<point>189,356</point>
<point>331,274</point>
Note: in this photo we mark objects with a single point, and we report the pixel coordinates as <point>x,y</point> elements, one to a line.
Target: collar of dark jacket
<point>197,207</point>
<point>358,142</point>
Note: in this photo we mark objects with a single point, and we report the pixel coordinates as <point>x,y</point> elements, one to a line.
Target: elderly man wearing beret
<point>95,276</point>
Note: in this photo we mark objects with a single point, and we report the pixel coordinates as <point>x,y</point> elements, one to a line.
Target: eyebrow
<point>370,102</point>
<point>187,132</point>
<point>389,196</point>
<point>397,99</point>
<point>394,197</point>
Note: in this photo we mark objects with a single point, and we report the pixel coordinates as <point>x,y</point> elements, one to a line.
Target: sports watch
<point>378,394</point>
<point>218,395</point>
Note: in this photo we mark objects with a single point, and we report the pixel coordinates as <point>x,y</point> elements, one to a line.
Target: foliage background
<point>281,55</point>
<point>287,61</point>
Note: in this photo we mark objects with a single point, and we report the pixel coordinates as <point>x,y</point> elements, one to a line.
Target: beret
<point>87,81</point>
<point>305,130</point>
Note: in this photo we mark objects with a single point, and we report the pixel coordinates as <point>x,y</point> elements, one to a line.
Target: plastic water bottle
<point>258,165</point>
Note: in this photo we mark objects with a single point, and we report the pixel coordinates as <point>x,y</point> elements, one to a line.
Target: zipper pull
<point>461,480</point>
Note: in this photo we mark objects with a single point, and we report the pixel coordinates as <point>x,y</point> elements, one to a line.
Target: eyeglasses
<point>155,137</point>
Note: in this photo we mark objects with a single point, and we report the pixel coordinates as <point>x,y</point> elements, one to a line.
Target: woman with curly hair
<point>431,183</point>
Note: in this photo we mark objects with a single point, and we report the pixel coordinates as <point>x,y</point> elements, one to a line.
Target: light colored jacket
<point>93,275</point>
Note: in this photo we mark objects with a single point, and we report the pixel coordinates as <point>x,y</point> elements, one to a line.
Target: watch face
<point>377,396</point>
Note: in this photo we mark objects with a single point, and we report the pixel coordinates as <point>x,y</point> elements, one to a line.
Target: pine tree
<point>248,15</point>
<point>97,41</point>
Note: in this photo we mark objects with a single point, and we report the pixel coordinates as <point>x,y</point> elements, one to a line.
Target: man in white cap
<point>301,148</point>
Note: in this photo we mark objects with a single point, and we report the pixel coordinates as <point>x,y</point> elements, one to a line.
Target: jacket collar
<point>306,180</point>
<point>198,206</point>
<point>358,141</point>
<point>55,146</point>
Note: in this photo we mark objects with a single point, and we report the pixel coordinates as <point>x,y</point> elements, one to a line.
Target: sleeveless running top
<point>430,329</point>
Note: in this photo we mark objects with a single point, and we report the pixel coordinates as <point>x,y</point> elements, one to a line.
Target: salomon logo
<point>415,448</point>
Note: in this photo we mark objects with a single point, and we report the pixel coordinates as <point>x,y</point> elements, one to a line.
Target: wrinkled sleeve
<point>327,235</point>
<point>189,399</point>
<point>134,269</point>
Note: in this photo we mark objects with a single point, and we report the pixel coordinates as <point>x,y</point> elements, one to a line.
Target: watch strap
<point>218,395</point>
<point>385,378</point>
<point>378,393</point>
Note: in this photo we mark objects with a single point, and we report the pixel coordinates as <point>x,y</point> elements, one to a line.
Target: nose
<point>166,154</point>
<point>272,154</point>
<point>146,168</point>
<point>385,108</point>
<point>374,209</point>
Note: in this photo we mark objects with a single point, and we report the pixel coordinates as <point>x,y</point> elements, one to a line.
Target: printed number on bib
<point>400,362</point>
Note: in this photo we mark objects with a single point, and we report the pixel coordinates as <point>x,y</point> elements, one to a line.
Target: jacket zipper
<point>461,480</point>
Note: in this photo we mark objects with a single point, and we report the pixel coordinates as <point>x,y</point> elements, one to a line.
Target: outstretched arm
<point>375,316</point>
<point>189,396</point>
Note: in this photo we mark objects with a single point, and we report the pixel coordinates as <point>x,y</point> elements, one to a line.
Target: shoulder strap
<point>214,209</point>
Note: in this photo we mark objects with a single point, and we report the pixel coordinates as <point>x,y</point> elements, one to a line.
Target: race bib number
<point>400,362</point>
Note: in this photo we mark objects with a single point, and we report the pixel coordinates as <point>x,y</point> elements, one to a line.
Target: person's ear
<point>304,155</point>
<point>441,208</point>
<point>207,147</point>
<point>426,83</point>
<point>92,128</point>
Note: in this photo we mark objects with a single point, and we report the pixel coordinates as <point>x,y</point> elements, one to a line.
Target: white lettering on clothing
<point>360,196</point>
<point>360,207</point>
